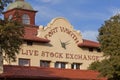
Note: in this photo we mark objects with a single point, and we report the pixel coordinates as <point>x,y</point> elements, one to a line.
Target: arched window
<point>25,19</point>
<point>10,17</point>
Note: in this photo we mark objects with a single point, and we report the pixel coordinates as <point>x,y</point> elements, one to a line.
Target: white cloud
<point>90,35</point>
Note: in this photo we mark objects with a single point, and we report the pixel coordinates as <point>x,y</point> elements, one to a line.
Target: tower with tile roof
<point>22,11</point>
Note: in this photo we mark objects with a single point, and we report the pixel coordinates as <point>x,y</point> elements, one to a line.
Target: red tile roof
<point>38,73</point>
<point>31,34</point>
<point>88,43</point>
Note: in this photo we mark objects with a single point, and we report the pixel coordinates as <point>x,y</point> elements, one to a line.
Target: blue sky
<point>85,15</point>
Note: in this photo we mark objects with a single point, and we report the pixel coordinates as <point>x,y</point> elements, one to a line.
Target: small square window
<point>98,50</point>
<point>29,43</point>
<point>91,49</point>
<point>75,65</point>
<point>44,63</point>
<point>24,62</point>
<point>60,65</point>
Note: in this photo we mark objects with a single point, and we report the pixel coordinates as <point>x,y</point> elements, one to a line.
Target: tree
<point>109,38</point>
<point>11,33</point>
<point>94,65</point>
<point>3,4</point>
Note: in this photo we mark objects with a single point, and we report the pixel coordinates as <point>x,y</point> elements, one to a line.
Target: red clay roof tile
<point>37,72</point>
<point>31,34</point>
<point>88,43</point>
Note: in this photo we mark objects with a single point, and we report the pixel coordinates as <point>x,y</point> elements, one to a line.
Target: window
<point>10,17</point>
<point>30,43</point>
<point>98,50</point>
<point>63,65</point>
<point>24,62</point>
<point>75,65</point>
<point>60,65</point>
<point>25,19</point>
<point>91,49</point>
<point>44,63</point>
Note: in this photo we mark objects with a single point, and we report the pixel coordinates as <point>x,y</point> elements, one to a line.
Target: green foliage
<point>11,33</point>
<point>3,4</point>
<point>94,65</point>
<point>109,38</point>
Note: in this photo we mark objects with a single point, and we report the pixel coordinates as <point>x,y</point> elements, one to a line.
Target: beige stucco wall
<point>53,51</point>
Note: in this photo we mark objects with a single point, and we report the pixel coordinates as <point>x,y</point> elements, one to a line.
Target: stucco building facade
<point>57,46</point>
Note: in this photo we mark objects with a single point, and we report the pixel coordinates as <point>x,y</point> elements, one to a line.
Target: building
<point>54,52</point>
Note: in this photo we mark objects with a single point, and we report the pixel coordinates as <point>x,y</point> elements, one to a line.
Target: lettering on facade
<point>60,55</point>
<point>62,29</point>
<point>69,56</point>
<point>30,52</point>
<point>52,54</point>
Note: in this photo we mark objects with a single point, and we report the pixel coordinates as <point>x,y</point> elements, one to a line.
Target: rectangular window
<point>60,65</point>
<point>44,63</point>
<point>30,43</point>
<point>98,50</point>
<point>91,49</point>
<point>75,65</point>
<point>24,62</point>
<point>57,65</point>
<point>63,65</point>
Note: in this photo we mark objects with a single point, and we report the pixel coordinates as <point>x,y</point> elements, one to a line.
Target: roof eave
<point>41,41</point>
<point>87,46</point>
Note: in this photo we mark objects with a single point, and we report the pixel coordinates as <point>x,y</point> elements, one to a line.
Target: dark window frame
<point>91,49</point>
<point>25,19</point>
<point>76,64</point>
<point>98,50</point>
<point>44,63</point>
<point>22,61</point>
<point>60,65</point>
<point>30,43</point>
